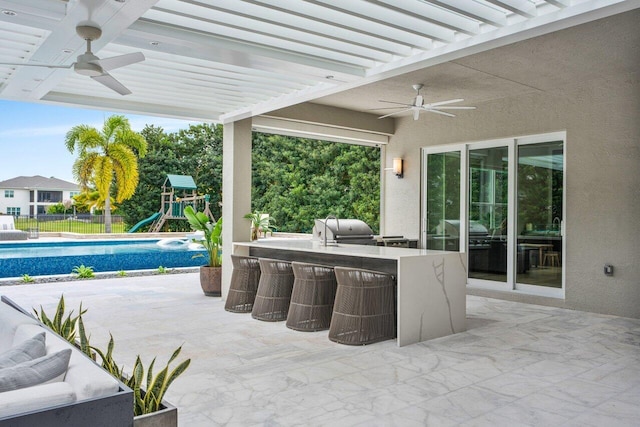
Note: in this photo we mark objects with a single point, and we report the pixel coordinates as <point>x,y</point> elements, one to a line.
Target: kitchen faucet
<point>325,228</point>
<point>559,224</point>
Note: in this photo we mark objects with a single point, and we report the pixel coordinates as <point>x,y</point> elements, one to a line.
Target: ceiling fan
<point>418,106</point>
<point>90,65</point>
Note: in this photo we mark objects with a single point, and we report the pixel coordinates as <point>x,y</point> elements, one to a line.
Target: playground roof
<point>182,182</point>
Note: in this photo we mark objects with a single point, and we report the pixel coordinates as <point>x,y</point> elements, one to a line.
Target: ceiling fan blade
<point>451,101</point>
<point>12,64</point>
<point>455,108</point>
<point>114,62</point>
<point>383,108</point>
<point>109,81</point>
<point>404,104</point>
<point>416,114</point>
<point>394,113</point>
<point>431,110</point>
<point>419,101</point>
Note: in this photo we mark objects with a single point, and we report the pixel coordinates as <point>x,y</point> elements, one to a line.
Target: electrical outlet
<point>608,270</point>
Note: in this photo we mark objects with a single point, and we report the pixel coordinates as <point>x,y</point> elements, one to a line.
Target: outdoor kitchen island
<point>431,285</point>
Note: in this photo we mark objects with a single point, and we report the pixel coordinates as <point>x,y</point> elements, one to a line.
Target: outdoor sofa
<point>81,393</point>
<point>8,229</point>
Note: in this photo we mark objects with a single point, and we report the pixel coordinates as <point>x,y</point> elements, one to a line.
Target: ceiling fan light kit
<point>88,64</point>
<point>419,106</point>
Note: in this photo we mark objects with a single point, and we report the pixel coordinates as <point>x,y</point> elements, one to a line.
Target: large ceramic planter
<point>211,281</point>
<point>165,417</point>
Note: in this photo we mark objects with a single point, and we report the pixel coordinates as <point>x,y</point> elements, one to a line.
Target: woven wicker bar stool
<point>274,290</point>
<point>364,309</point>
<point>244,284</point>
<point>314,290</point>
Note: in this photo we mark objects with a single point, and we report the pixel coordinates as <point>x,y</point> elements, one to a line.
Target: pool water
<point>50,258</point>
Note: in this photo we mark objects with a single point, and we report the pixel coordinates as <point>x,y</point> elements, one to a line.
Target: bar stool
<point>364,309</point>
<point>244,284</point>
<point>274,290</point>
<point>552,256</point>
<point>314,290</point>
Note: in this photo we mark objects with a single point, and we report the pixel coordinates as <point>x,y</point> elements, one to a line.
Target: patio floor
<point>517,365</point>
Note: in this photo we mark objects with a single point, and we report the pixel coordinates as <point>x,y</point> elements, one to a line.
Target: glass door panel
<point>443,201</point>
<point>488,242</point>
<point>540,213</point>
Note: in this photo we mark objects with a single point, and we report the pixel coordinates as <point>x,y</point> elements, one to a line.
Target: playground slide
<point>144,222</point>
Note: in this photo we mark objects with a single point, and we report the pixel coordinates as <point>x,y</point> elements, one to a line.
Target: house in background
<point>32,195</point>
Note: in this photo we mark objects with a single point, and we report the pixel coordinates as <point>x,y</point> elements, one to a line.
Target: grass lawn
<point>69,226</point>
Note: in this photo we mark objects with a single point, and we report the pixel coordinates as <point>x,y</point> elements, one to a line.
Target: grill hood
<point>342,230</point>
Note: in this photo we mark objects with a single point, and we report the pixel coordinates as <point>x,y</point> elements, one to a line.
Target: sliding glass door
<point>502,203</point>
<point>488,240</point>
<point>443,204</point>
<point>540,213</point>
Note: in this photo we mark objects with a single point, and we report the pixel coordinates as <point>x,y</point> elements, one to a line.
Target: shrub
<point>82,272</point>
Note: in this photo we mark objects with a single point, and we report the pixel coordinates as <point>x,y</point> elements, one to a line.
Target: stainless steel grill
<point>478,234</point>
<point>351,231</point>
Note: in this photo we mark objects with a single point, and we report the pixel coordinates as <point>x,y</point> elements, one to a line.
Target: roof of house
<point>39,183</point>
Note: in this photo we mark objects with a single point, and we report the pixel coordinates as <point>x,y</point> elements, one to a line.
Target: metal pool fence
<point>82,224</point>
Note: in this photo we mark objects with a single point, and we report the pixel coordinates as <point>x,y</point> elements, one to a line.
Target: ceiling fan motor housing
<point>88,32</point>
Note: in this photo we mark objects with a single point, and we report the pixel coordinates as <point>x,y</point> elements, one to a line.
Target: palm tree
<point>107,157</point>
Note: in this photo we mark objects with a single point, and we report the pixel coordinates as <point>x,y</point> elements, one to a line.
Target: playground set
<point>172,204</point>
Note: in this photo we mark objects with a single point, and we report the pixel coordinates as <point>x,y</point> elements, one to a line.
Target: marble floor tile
<point>517,365</point>
<point>466,403</point>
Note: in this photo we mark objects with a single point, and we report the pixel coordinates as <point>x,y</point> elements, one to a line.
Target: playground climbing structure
<point>178,192</point>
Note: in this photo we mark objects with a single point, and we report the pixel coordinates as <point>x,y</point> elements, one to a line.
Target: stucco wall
<point>20,200</point>
<point>601,118</point>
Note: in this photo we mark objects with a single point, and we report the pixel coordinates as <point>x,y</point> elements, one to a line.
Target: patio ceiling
<point>231,59</point>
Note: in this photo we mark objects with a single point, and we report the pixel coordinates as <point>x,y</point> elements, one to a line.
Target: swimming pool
<point>49,258</point>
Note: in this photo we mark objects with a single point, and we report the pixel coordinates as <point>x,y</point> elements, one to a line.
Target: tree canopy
<point>295,180</point>
<point>106,157</point>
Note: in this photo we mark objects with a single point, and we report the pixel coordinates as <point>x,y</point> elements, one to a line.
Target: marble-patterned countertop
<point>308,245</point>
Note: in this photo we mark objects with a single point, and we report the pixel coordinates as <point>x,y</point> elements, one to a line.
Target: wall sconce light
<point>397,167</point>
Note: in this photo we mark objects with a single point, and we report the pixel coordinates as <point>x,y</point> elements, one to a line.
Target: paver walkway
<point>517,365</point>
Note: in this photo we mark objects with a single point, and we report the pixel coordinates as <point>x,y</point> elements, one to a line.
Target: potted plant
<point>149,387</point>
<point>149,407</point>
<point>210,274</point>
<point>260,223</point>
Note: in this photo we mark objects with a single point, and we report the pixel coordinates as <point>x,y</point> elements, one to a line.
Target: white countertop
<point>307,245</point>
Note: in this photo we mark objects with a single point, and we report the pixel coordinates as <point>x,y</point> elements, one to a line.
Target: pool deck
<point>516,365</point>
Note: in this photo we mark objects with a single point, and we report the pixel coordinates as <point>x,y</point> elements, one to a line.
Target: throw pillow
<point>27,350</point>
<point>45,369</point>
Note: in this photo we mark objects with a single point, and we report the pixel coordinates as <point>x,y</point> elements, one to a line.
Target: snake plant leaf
<point>57,319</point>
<point>175,354</point>
<point>176,373</point>
<point>138,372</point>
<point>150,373</point>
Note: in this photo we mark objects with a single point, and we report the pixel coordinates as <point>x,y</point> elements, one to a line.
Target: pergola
<point>232,59</point>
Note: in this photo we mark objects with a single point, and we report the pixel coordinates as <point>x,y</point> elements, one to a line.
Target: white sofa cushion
<point>49,368</point>
<point>30,349</point>
<point>87,379</point>
<point>35,398</point>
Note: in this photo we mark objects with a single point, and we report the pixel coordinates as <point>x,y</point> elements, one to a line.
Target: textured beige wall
<point>602,120</point>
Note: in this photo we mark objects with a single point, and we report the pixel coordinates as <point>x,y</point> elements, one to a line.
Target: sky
<point>32,136</point>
